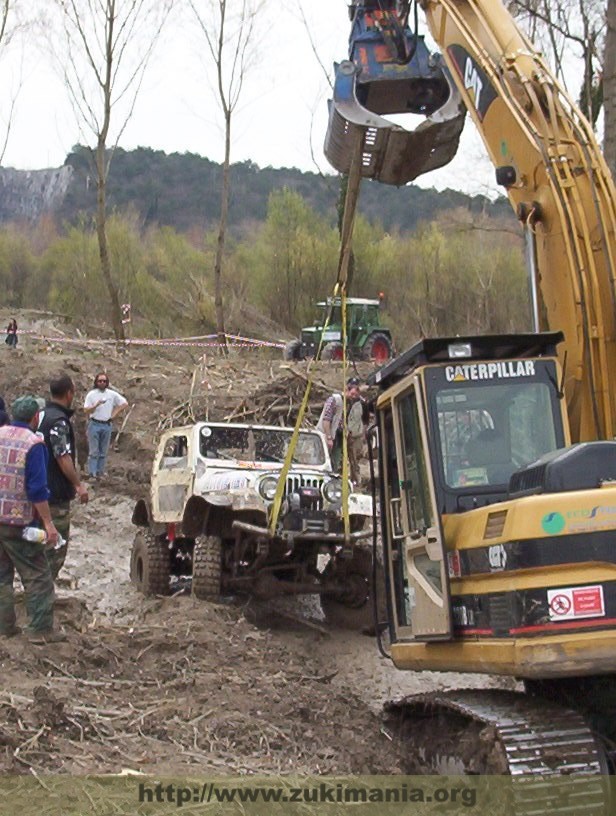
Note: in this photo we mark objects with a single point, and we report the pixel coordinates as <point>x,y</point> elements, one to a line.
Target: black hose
<point>375,605</point>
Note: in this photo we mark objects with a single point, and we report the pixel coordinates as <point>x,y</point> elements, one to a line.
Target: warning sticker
<point>576,602</point>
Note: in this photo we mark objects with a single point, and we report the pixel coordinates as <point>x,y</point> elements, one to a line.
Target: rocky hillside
<point>28,194</point>
<point>183,191</point>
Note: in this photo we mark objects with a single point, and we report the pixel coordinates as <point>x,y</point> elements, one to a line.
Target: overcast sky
<point>283,108</point>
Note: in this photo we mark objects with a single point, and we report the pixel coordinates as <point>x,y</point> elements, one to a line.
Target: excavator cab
<point>391,71</point>
<point>497,533</point>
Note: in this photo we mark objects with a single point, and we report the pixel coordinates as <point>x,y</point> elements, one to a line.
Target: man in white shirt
<point>102,405</point>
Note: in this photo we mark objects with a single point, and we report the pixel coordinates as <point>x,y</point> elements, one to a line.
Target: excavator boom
<point>548,159</point>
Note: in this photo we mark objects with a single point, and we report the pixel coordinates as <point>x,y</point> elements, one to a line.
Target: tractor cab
<point>391,71</point>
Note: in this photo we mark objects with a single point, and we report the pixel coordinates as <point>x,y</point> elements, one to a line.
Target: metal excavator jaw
<point>391,71</point>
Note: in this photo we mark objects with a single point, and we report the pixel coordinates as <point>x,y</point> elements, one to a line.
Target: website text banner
<point>303,796</point>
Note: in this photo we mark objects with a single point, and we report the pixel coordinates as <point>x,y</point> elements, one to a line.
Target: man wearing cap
<point>23,499</point>
<point>62,476</point>
<point>330,422</point>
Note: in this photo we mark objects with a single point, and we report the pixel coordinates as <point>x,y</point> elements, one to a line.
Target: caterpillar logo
<point>490,371</point>
<point>472,81</point>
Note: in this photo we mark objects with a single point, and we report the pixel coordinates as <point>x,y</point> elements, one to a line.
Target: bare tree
<point>609,89</point>
<point>229,28</point>
<point>10,25</point>
<point>103,55</point>
<point>566,27</point>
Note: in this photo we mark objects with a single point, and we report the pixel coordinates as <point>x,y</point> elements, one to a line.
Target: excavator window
<point>488,432</point>
<point>394,522</point>
<point>415,488</point>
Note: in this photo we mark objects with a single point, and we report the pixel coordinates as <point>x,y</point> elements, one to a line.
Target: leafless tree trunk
<point>229,28</point>
<point>9,26</point>
<point>103,56</point>
<point>609,89</point>
<point>557,26</point>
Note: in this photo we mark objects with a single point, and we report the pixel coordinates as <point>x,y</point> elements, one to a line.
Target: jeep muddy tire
<point>332,351</point>
<point>207,568</point>
<point>150,563</point>
<point>352,609</point>
<point>291,350</point>
<point>377,347</point>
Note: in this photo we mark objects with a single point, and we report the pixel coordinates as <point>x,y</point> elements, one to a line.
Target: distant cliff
<point>183,191</point>
<point>28,194</point>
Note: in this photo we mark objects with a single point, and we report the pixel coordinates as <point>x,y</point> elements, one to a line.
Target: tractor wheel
<point>150,563</point>
<point>291,350</point>
<point>378,347</point>
<point>332,351</point>
<point>352,607</point>
<point>207,568</point>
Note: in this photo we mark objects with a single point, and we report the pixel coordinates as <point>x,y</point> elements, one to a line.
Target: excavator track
<point>500,732</point>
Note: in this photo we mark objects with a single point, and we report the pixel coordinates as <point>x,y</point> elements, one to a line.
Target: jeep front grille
<point>296,480</point>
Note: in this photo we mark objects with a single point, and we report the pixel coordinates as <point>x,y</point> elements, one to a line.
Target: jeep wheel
<point>378,348</point>
<point>207,568</point>
<point>150,563</point>
<point>291,350</point>
<point>351,608</point>
<point>332,351</point>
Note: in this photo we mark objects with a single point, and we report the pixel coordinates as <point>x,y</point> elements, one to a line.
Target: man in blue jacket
<point>24,500</point>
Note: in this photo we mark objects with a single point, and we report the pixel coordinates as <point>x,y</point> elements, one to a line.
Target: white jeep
<point>212,490</point>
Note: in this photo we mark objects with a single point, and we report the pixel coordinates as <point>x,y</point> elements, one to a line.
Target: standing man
<point>63,478</point>
<point>23,498</point>
<point>330,422</point>
<point>102,406</point>
<point>358,415</point>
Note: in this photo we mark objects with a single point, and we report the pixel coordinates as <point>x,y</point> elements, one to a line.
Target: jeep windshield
<point>259,445</point>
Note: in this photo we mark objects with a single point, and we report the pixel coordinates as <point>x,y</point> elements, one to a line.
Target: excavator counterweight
<point>391,71</point>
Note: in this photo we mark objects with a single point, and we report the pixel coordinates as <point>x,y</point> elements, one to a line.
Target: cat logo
<point>497,556</point>
<point>472,81</point>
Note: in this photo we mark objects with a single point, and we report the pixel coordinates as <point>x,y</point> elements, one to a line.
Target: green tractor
<point>367,339</point>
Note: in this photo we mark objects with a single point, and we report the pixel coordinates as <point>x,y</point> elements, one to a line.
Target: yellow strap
<point>284,472</point>
<point>348,219</point>
<point>345,435</point>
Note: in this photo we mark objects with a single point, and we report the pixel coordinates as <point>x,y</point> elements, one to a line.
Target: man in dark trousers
<point>62,476</point>
<point>23,498</point>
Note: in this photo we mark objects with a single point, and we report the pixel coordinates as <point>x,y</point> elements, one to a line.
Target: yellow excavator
<point>496,455</point>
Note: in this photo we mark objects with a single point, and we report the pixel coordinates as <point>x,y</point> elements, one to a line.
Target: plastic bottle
<point>39,535</point>
<point>34,534</point>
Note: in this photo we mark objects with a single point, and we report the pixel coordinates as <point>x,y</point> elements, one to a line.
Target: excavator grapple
<point>391,71</point>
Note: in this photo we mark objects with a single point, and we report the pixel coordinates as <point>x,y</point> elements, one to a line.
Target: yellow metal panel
<point>535,578</point>
<point>543,516</point>
<point>541,656</point>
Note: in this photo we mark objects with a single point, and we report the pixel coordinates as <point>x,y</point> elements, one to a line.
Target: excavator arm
<point>548,159</point>
<point>546,156</point>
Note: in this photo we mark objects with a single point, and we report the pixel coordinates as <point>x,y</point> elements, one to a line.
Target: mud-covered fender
<point>195,516</point>
<point>142,514</point>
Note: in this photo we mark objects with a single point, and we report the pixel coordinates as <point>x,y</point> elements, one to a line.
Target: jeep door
<point>173,476</point>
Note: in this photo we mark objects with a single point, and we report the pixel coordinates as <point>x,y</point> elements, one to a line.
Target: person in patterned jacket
<point>23,501</point>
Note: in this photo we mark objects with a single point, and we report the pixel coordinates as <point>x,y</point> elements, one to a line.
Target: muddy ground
<point>169,684</point>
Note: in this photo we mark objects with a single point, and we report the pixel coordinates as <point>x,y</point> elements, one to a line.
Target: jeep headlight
<point>267,487</point>
<point>332,491</point>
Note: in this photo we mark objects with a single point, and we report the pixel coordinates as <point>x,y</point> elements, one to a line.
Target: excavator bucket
<point>391,71</point>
